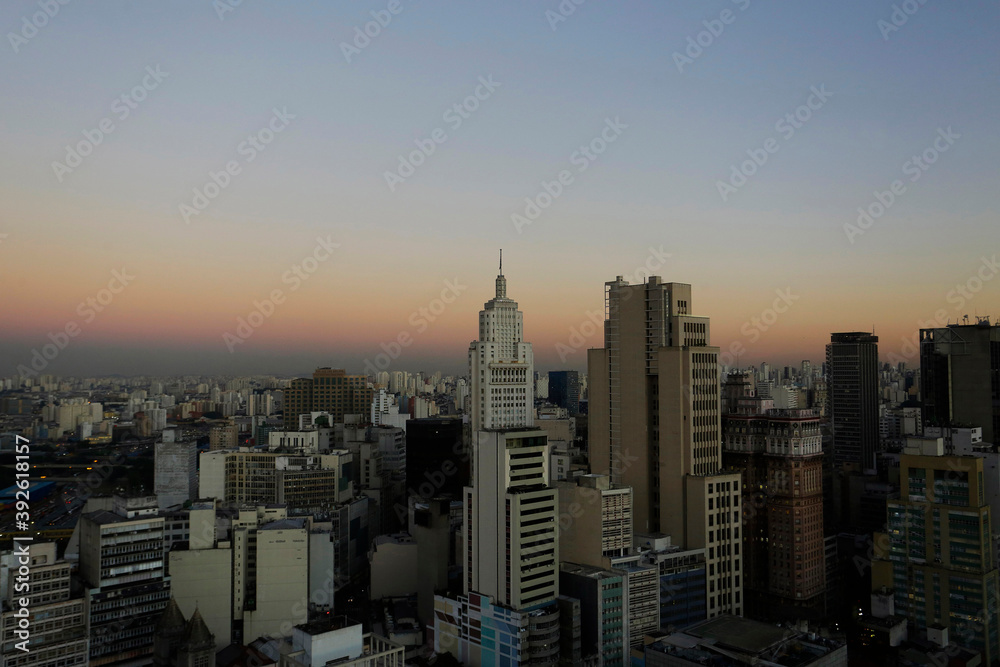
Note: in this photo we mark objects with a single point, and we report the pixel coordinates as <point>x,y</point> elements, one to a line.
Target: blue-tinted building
<point>683,595</point>
<point>477,631</point>
<point>603,615</point>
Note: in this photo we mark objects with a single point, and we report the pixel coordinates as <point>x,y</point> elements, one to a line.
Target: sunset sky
<point>675,116</point>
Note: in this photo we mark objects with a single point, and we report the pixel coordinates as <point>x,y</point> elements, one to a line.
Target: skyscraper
<point>852,386</point>
<point>511,548</point>
<point>781,455</point>
<point>960,376</point>
<point>564,390</point>
<point>655,426</point>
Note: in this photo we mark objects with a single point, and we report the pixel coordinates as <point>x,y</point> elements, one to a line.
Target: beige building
<point>595,520</point>
<point>251,477</point>
<point>394,572</point>
<point>655,426</point>
<point>224,437</point>
<point>248,580</point>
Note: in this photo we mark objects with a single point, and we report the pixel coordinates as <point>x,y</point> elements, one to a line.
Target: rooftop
<point>285,524</point>
<point>720,640</point>
<point>587,571</point>
<point>326,624</point>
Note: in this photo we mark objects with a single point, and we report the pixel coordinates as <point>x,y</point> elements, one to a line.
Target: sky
<point>167,169</point>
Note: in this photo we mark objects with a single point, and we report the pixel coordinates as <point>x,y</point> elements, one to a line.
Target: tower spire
<point>501,281</point>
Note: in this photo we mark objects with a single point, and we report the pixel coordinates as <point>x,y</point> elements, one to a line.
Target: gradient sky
<point>323,175</point>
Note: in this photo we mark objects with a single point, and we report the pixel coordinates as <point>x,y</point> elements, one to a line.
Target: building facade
<point>654,418</point>
<point>852,398</point>
<point>960,376</point>
<point>57,619</point>
<point>122,567</point>
<point>329,390</point>
<point>564,390</point>
<point>937,558</point>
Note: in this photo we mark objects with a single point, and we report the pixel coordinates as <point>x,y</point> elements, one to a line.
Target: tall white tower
<point>510,526</point>
<point>501,365</point>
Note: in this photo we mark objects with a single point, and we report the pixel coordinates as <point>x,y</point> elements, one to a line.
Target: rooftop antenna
<point>501,261</point>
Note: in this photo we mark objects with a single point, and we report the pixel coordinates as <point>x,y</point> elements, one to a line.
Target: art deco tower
<point>510,509</point>
<point>501,365</point>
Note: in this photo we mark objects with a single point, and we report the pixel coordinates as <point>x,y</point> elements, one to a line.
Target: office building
<point>595,529</point>
<point>781,455</point>
<point>224,437</point>
<point>655,426</point>
<point>501,366</point>
<point>604,620</point>
<point>122,569</point>
<point>595,520</point>
<point>512,549</point>
<point>937,558</point>
<point>480,633</point>
<point>509,531</point>
<point>250,477</point>
<point>564,390</point>
<point>852,399</point>
<point>328,390</point>
<point>960,376</point>
<point>57,619</point>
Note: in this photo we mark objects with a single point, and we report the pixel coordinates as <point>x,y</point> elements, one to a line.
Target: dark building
<point>564,390</point>
<point>852,396</point>
<point>960,376</point>
<point>437,462</point>
<point>180,643</point>
<point>780,453</point>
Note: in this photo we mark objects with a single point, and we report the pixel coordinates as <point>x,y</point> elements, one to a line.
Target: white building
<point>509,532</point>
<point>501,366</point>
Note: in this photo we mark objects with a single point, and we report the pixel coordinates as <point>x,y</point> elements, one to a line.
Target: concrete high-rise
<point>329,390</point>
<point>655,426</point>
<point>509,532</point>
<point>960,376</point>
<point>175,478</point>
<point>512,549</point>
<point>852,395</point>
<point>122,567</point>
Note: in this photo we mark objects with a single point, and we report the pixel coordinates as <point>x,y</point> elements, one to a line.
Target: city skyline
<point>234,150</point>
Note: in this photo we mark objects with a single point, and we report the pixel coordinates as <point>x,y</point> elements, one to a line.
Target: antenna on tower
<point>501,261</point>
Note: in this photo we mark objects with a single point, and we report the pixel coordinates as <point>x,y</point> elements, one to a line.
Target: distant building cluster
<point>659,508</point>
